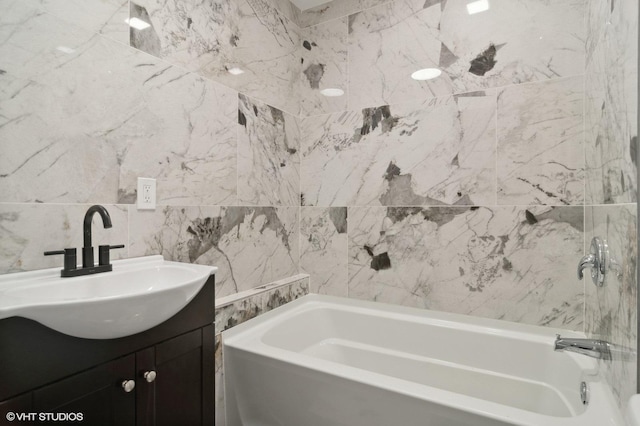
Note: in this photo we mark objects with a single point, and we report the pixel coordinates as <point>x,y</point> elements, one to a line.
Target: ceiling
<point>308,4</point>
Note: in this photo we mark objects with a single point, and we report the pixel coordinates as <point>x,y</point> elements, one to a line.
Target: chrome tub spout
<point>590,347</point>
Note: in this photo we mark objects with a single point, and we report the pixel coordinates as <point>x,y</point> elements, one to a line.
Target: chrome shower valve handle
<point>588,261</point>
<point>596,260</point>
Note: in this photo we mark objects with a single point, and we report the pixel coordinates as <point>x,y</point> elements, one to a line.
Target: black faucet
<point>88,265</point>
<point>87,250</point>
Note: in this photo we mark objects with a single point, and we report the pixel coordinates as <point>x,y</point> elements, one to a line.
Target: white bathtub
<point>326,361</point>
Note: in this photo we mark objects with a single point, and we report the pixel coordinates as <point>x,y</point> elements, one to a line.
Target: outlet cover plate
<point>146,194</point>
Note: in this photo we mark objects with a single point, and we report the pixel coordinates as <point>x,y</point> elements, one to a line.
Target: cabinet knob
<point>128,385</point>
<point>149,376</point>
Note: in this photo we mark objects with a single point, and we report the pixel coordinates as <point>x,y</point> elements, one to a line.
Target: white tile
<point>324,249</point>
<point>268,155</point>
<point>214,36</point>
<point>94,116</point>
<point>540,143</point>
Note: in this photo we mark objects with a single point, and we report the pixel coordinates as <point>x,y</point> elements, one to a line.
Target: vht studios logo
<point>44,417</point>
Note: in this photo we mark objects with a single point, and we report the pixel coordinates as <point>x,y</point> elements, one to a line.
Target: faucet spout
<point>87,250</point>
<point>590,347</point>
<point>88,218</point>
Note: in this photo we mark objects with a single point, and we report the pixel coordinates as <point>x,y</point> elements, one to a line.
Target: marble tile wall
<point>268,157</point>
<point>611,312</point>
<point>324,249</point>
<point>88,104</point>
<point>324,63</point>
<point>213,37</point>
<point>249,245</point>
<point>464,193</point>
<point>501,262</point>
<point>611,181</point>
<point>540,143</point>
<point>511,43</point>
<point>441,151</point>
<point>611,103</point>
<point>335,9</point>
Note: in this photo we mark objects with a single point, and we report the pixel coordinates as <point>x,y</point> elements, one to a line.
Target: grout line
<point>237,126</point>
<point>418,101</point>
<point>426,206</point>
<point>496,145</point>
<point>128,231</point>
<point>584,173</point>
<point>346,14</point>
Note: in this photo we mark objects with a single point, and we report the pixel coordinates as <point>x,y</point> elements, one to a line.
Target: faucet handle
<point>597,260</point>
<point>104,253</point>
<point>588,261</point>
<point>70,263</point>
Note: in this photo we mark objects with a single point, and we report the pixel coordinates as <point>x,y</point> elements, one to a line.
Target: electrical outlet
<point>146,194</point>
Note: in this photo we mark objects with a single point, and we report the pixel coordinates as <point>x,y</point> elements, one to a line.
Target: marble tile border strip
<point>240,307</point>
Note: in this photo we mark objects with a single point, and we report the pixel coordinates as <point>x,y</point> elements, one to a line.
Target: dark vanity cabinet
<point>93,393</point>
<point>163,376</point>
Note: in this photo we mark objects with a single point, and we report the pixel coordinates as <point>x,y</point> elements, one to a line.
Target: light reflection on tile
<point>475,52</point>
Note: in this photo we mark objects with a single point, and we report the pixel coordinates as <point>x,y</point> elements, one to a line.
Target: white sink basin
<point>137,295</point>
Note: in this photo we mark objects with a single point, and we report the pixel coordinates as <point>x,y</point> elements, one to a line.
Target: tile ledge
<point>228,300</point>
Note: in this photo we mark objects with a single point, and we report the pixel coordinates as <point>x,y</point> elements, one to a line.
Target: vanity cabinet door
<point>181,392</point>
<point>10,409</point>
<point>99,395</point>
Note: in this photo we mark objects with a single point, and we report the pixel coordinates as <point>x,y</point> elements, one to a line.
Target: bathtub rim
<point>534,333</point>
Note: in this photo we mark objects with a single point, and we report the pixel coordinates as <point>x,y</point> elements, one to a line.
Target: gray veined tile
<point>610,312</point>
<point>288,9</point>
<point>611,108</point>
<point>540,143</point>
<point>597,14</point>
<point>220,419</point>
<point>238,312</point>
<point>214,37</point>
<point>53,99</point>
<point>190,142</point>
<point>268,155</point>
<point>512,42</point>
<point>277,297</point>
<point>509,262</point>
<point>335,9</point>
<point>57,99</point>
<point>106,17</point>
<point>533,41</point>
<point>28,230</point>
<point>323,249</point>
<point>441,152</point>
<point>250,245</point>
<point>324,66</point>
